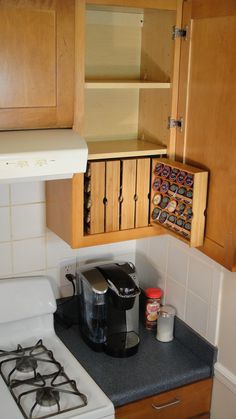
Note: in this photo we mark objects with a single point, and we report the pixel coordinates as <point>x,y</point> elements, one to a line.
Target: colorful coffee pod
<point>189,180</point>
<point>173,189</point>
<point>189,213</point>
<point>180,208</point>
<point>156,184</point>
<point>156,199</point>
<point>180,222</point>
<point>173,174</point>
<point>166,172</point>
<point>181,191</point>
<point>172,218</point>
<point>158,168</point>
<point>189,194</point>
<point>163,217</point>
<point>181,177</point>
<point>187,226</point>
<point>164,202</point>
<point>156,213</point>
<point>164,187</point>
<point>171,207</point>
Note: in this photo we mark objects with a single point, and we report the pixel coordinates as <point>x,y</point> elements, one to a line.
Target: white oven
<point>39,377</point>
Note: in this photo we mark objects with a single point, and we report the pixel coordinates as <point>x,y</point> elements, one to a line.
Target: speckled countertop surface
<point>157,366</point>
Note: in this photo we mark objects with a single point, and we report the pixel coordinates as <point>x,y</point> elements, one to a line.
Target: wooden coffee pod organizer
<point>178,199</point>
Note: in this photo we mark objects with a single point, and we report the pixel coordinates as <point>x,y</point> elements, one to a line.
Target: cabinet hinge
<point>175,123</point>
<point>179,33</point>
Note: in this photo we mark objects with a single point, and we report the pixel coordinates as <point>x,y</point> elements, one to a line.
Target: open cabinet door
<point>207,99</point>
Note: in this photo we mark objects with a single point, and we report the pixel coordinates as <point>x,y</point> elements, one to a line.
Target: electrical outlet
<point>67,266</point>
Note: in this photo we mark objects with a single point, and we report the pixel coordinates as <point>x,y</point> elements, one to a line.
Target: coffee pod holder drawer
<point>178,199</point>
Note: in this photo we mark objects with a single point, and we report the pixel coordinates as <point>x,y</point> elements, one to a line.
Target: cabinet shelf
<point>98,150</point>
<point>126,84</point>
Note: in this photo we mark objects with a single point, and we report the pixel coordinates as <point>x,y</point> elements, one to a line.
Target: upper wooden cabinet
<point>207,98</point>
<point>37,64</point>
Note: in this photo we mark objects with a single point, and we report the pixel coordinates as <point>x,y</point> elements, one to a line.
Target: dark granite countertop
<point>157,366</point>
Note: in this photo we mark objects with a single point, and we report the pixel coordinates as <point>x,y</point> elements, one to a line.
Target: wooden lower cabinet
<point>187,402</point>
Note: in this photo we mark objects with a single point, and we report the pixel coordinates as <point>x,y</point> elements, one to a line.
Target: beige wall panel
<point>113,45</point>
<point>111,115</point>
<point>154,108</point>
<point>157,45</point>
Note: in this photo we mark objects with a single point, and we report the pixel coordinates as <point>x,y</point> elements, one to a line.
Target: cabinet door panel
<point>128,193</point>
<point>112,195</point>
<point>37,61</point>
<point>142,192</point>
<point>207,142</point>
<point>97,197</point>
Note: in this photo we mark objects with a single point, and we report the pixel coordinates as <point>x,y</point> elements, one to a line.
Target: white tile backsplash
<point>196,313</point>
<point>178,260</point>
<point>28,221</point>
<point>175,295</point>
<point>5,259</point>
<point>191,281</point>
<point>28,192</point>
<point>5,227</point>
<point>4,195</point>
<point>29,255</point>
<point>200,278</point>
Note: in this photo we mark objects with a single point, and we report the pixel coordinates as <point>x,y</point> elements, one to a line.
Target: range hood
<point>41,154</point>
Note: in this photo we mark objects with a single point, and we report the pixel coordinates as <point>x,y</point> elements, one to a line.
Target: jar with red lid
<point>152,307</point>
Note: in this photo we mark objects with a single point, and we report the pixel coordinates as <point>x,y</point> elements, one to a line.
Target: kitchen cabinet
<point>125,90</point>
<point>37,64</point>
<point>207,96</point>
<point>128,83</point>
<point>190,401</point>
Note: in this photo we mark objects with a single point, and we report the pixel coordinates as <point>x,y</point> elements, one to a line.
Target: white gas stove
<point>39,377</point>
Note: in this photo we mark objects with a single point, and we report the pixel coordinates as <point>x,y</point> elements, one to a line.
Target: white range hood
<point>41,154</point>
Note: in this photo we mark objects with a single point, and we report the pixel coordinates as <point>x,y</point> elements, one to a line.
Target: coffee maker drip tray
<point>122,344</point>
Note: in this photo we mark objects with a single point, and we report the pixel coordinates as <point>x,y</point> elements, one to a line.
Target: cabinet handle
<point>176,400</point>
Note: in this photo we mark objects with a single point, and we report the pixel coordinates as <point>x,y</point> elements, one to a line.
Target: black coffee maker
<point>109,308</point>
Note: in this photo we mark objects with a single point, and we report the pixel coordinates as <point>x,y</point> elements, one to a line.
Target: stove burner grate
<point>47,387</point>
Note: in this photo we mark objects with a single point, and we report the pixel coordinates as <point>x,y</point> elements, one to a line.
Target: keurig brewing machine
<point>109,308</point>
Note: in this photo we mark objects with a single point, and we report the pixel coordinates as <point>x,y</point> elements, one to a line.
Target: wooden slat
<point>142,192</point>
<point>148,4</point>
<point>97,197</point>
<point>128,192</point>
<point>98,150</point>
<point>123,84</point>
<point>112,195</point>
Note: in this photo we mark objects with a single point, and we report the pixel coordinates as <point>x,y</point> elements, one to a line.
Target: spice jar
<point>152,307</point>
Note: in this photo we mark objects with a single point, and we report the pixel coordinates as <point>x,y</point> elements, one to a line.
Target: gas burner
<point>47,396</point>
<point>26,364</point>
<point>46,387</point>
